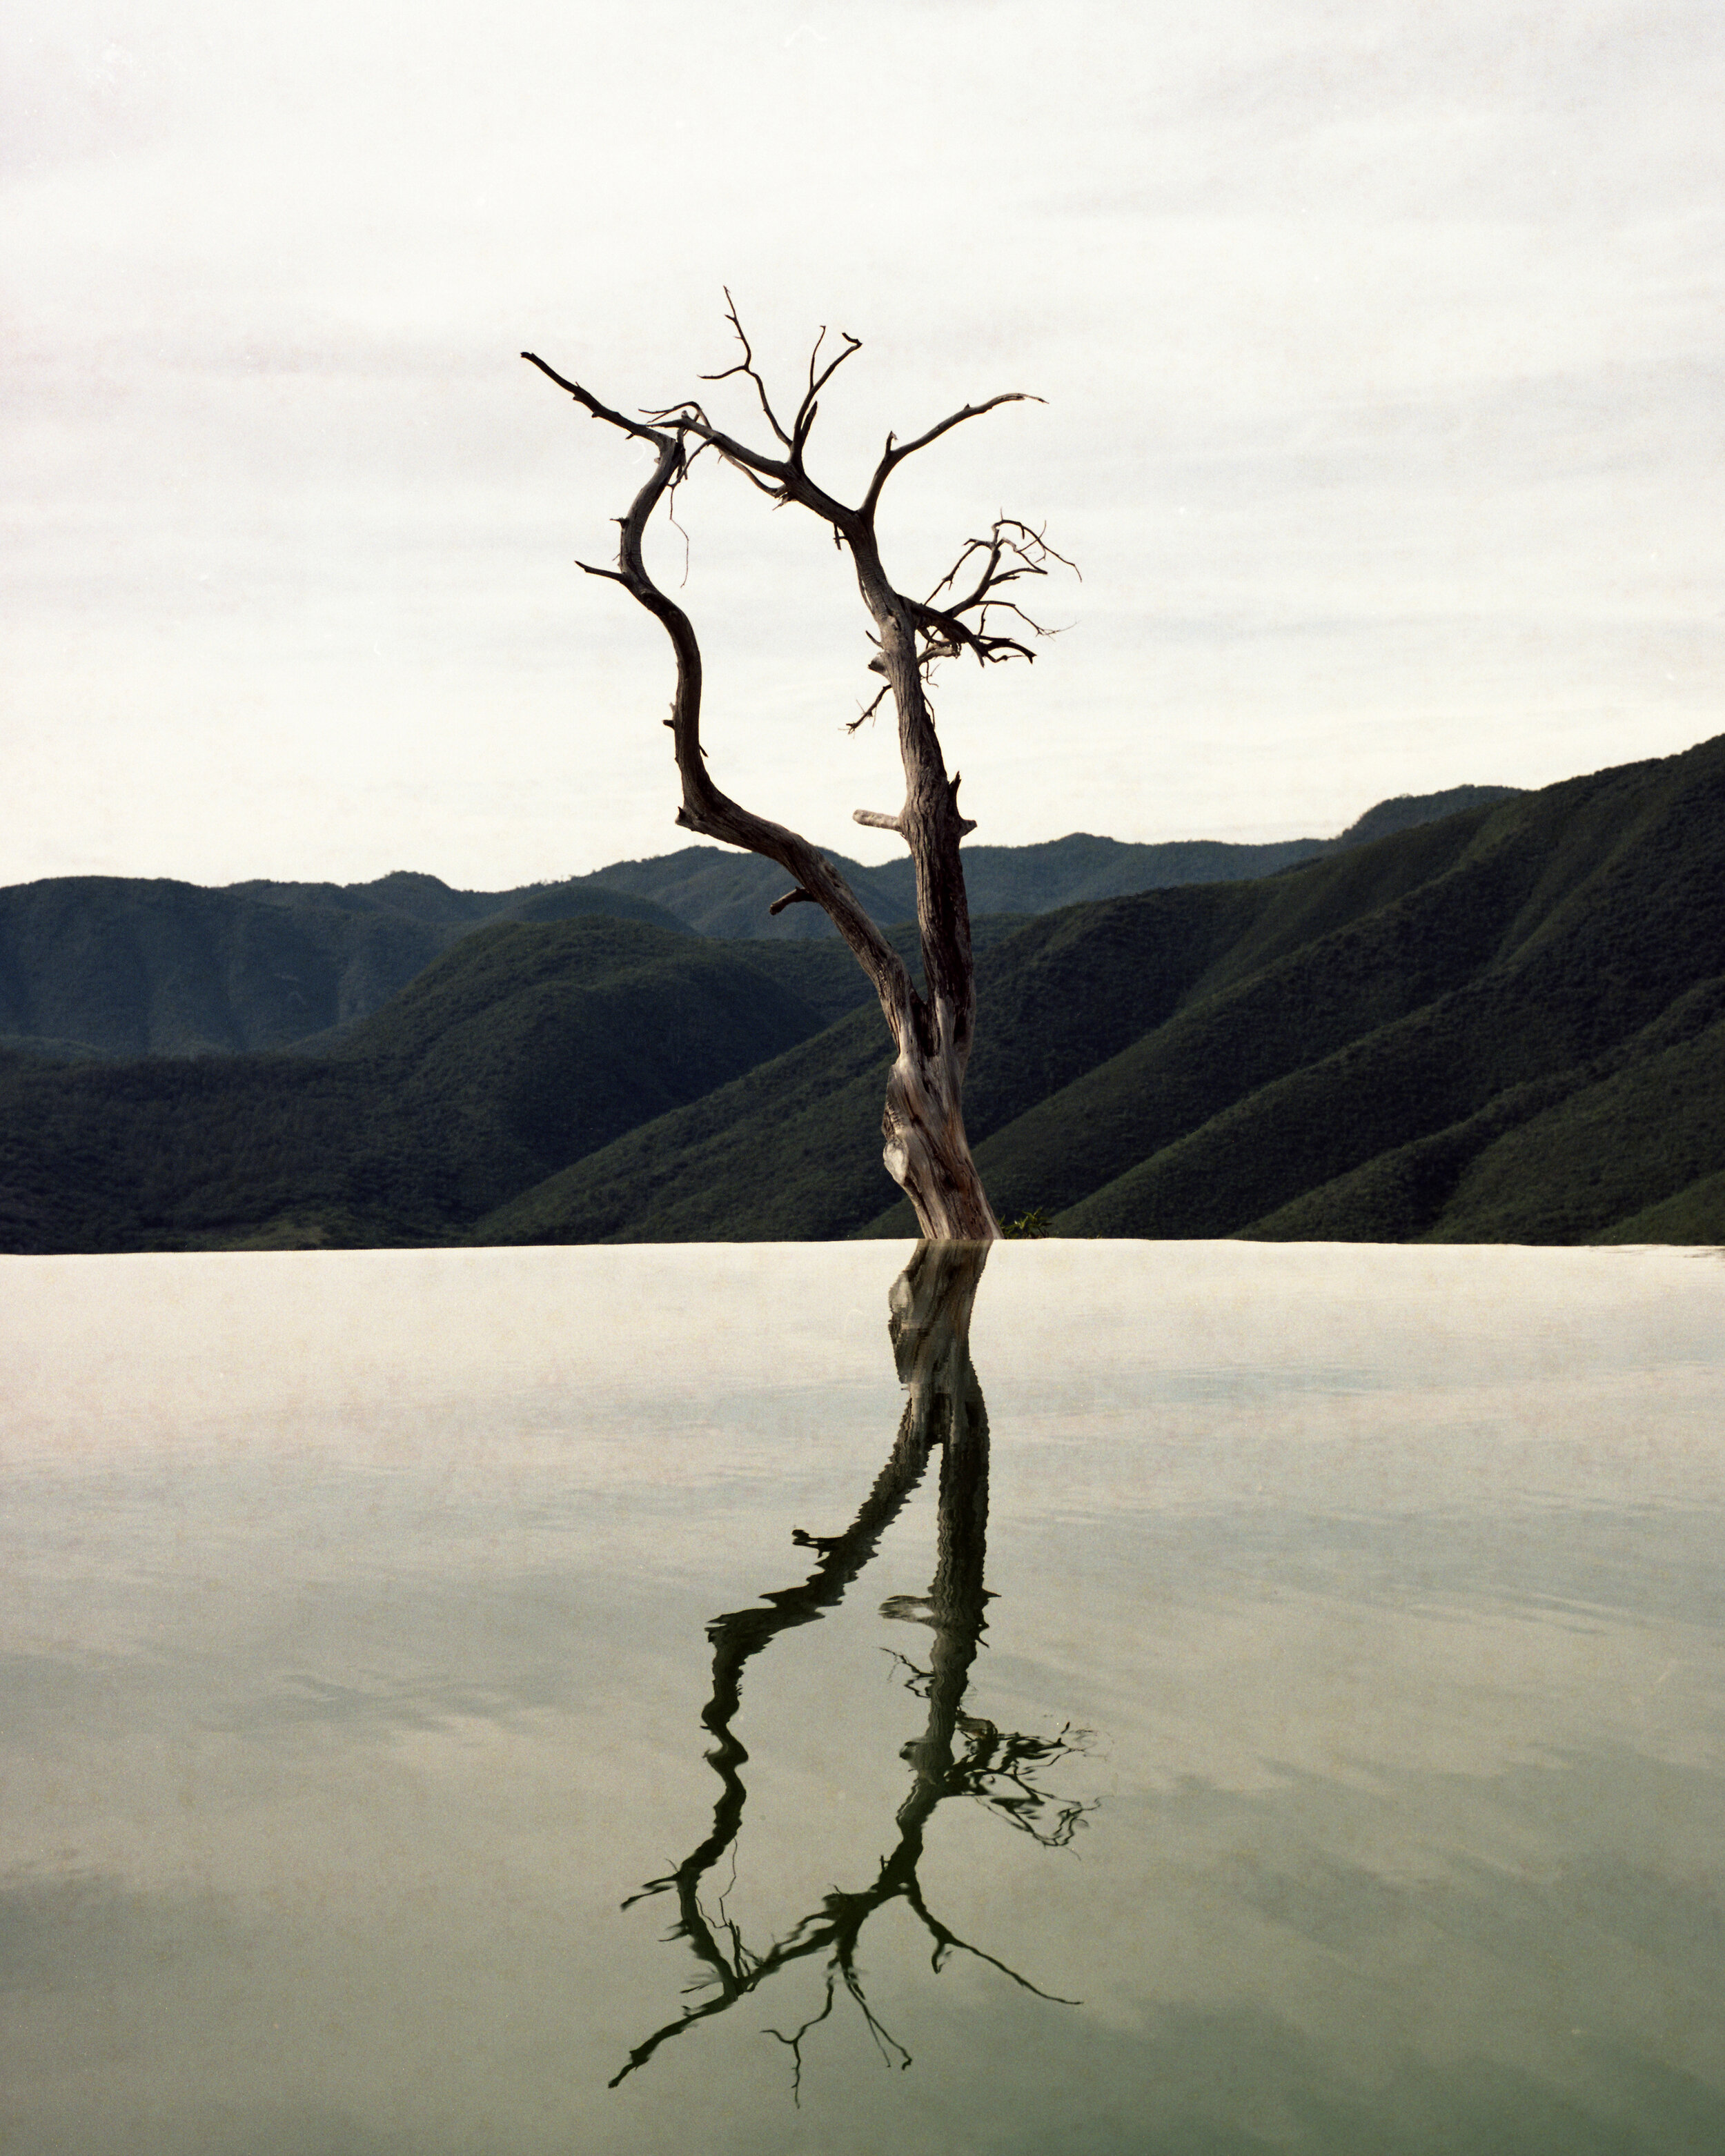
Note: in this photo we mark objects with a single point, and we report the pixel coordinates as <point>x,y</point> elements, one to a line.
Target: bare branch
<point>991,548</point>
<point>785,481</point>
<point>1012,606</point>
<point>746,365</point>
<point>946,1941</point>
<point>958,636</point>
<point>803,425</point>
<point>873,706</point>
<point>1012,551</point>
<point>598,411</point>
<point>682,415</point>
<point>795,2043</point>
<point>877,820</point>
<point>895,452</point>
<point>793,898</point>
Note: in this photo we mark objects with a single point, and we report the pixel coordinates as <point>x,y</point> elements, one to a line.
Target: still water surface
<point>1187,1699</point>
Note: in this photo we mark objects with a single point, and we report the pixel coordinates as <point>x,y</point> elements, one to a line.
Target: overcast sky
<point>1381,344</point>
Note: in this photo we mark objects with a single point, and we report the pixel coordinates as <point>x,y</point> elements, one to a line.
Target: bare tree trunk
<point>926,1150</point>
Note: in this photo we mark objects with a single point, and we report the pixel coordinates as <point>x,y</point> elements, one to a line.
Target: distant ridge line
<point>118,966</point>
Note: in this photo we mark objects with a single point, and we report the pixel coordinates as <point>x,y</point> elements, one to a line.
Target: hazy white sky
<point>1381,344</point>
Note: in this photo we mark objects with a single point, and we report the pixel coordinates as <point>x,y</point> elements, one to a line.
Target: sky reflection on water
<point>387,1637</point>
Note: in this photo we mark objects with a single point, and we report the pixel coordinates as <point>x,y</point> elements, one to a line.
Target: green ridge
<point>521,1048</point>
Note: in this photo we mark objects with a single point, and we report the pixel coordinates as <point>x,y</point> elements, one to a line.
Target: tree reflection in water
<point>957,1754</point>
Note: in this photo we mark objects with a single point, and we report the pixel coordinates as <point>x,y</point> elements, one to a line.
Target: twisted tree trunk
<point>923,1123</point>
<point>925,1148</point>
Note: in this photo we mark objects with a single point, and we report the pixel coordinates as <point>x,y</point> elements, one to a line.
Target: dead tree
<point>926,1150</point>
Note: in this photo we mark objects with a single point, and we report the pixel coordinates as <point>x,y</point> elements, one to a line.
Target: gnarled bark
<point>926,1150</point>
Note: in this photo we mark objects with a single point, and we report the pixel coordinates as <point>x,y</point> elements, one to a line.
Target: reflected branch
<point>956,1755</point>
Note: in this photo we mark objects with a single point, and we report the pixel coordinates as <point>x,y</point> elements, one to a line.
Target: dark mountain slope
<point>1071,870</point>
<point>529,1045</point>
<point>1573,1157</point>
<point>524,1046</point>
<point>1081,867</point>
<point>1350,1037</point>
<point>408,895</point>
<point>790,1152</point>
<point>113,966</point>
<point>1601,907</point>
<point>825,975</point>
<point>1403,811</point>
<point>160,1154</point>
<point>1064,993</point>
<point>718,892</point>
<point>1511,1023</point>
<point>1246,1029</point>
<point>1694,1214</point>
<point>119,966</point>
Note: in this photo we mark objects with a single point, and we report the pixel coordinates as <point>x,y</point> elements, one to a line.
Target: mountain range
<point>119,966</point>
<point>1504,1023</point>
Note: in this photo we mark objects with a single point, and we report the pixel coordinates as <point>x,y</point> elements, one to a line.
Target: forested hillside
<point>522,1048</point>
<point>1507,1024</point>
<point>119,967</point>
<point>127,966</point>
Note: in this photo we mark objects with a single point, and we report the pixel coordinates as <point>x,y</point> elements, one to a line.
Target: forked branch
<point>896,451</point>
<point>1013,551</point>
<point>818,378</point>
<point>747,368</point>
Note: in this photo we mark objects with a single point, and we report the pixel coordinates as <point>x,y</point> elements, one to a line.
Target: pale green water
<point>1343,1728</point>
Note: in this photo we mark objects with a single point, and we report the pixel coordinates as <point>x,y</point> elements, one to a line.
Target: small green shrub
<point>1028,1227</point>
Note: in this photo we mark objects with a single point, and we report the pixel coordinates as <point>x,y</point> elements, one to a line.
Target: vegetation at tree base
<point>118,966</point>
<point>1030,1226</point>
<point>1508,1025</point>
